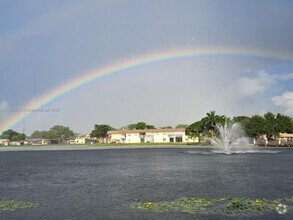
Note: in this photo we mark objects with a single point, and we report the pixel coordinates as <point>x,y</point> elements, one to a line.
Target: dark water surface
<point>102,184</point>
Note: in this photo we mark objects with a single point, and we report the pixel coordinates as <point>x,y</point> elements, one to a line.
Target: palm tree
<point>211,120</point>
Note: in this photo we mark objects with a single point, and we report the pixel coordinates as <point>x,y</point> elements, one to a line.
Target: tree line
<point>57,132</point>
<point>100,131</point>
<point>268,124</point>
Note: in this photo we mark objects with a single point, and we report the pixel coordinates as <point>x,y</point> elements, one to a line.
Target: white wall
<point>132,138</point>
<point>80,140</point>
<point>155,137</point>
<point>161,138</point>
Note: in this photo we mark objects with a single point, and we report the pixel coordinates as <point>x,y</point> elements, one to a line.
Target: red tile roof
<point>147,131</point>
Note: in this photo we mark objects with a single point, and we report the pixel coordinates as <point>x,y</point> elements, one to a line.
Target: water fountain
<point>229,137</point>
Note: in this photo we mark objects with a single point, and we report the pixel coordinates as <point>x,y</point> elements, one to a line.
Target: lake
<point>103,184</point>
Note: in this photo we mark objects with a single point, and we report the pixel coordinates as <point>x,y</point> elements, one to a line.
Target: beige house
<point>86,139</point>
<point>150,136</point>
<point>4,141</point>
<point>46,141</point>
<point>80,140</point>
<point>285,138</point>
<point>83,140</point>
<point>15,143</point>
<point>40,141</point>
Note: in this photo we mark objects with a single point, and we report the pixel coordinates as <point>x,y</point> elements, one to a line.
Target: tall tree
<point>210,121</point>
<point>269,124</point>
<point>284,124</point>
<point>206,126</point>
<point>12,135</point>
<point>270,119</point>
<point>8,134</point>
<point>39,134</point>
<point>195,129</point>
<point>100,131</point>
<point>59,132</point>
<point>182,126</point>
<point>18,137</point>
<point>140,126</point>
<point>244,121</point>
<point>167,127</point>
<point>257,126</point>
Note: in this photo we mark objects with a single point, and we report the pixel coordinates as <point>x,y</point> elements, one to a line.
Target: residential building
<point>285,139</point>
<point>40,141</point>
<point>85,139</point>
<point>150,136</point>
<point>282,139</point>
<point>37,141</point>
<point>71,141</point>
<point>81,140</point>
<point>15,143</point>
<point>46,141</point>
<point>4,141</point>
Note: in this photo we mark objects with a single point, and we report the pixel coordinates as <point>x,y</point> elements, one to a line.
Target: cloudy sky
<point>44,44</point>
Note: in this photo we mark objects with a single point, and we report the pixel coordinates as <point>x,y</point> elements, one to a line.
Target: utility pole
<point>23,126</point>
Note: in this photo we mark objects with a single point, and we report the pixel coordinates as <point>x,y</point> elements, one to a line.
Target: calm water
<point>102,184</point>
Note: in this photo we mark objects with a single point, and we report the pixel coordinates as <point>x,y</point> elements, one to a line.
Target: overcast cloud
<point>44,44</point>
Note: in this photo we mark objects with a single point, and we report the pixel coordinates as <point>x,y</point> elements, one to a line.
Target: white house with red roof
<point>171,135</point>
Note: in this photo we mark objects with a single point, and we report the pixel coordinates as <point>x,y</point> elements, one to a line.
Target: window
<point>164,139</point>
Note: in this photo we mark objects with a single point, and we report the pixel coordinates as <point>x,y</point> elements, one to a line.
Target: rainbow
<point>136,62</point>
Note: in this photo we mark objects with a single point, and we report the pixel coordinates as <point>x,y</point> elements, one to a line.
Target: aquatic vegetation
<point>289,199</point>
<point>155,206</point>
<point>222,206</point>
<point>192,205</point>
<point>189,205</point>
<point>12,205</point>
<point>237,206</point>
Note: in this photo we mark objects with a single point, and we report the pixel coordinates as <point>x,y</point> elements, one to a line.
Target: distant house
<point>4,141</point>
<point>101,140</point>
<point>15,143</point>
<point>46,141</point>
<point>81,140</point>
<point>27,142</point>
<point>285,139</point>
<point>86,139</point>
<point>40,141</point>
<point>150,136</point>
<point>71,141</point>
<point>37,141</point>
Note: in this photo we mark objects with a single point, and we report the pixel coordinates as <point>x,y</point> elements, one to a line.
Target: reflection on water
<point>244,151</point>
<point>196,152</point>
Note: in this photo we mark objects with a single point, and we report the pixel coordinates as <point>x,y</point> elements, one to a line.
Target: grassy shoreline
<point>115,146</point>
<point>109,144</point>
